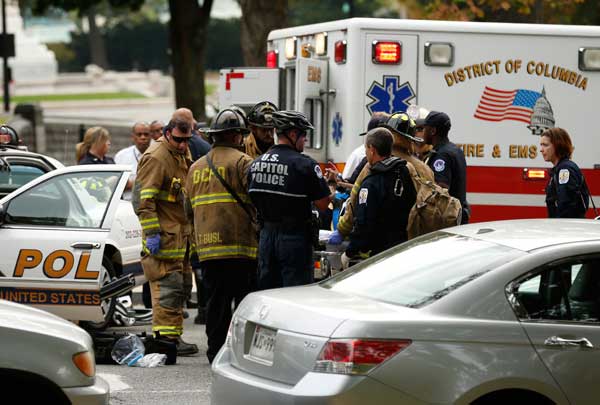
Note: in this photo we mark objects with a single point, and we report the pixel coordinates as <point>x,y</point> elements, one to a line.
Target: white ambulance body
<point>501,84</point>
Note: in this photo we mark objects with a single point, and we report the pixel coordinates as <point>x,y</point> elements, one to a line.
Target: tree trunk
<point>96,40</point>
<point>187,37</point>
<point>259,17</point>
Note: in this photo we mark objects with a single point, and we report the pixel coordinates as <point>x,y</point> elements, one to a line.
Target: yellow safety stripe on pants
<point>149,223</point>
<point>227,250</point>
<point>215,198</point>
<point>168,330</point>
<point>170,254</point>
<point>147,193</point>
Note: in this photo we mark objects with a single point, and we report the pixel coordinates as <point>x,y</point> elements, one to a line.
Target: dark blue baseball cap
<point>437,119</point>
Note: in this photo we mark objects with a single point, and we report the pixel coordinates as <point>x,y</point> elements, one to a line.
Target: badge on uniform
<point>439,165</point>
<point>563,176</point>
<point>318,171</point>
<point>362,195</point>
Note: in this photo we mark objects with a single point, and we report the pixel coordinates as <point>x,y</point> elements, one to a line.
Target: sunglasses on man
<point>179,139</point>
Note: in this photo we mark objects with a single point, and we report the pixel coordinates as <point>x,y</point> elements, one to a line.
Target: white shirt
<point>129,156</point>
<point>353,160</point>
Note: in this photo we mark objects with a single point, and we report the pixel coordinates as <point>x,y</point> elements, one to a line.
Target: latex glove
<point>335,238</point>
<point>153,243</point>
<point>345,261</point>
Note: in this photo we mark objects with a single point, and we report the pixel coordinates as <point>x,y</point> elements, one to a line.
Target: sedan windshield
<point>423,270</point>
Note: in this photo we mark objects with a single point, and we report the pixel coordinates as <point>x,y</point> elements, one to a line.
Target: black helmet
<point>288,119</point>
<point>228,120</point>
<point>240,111</point>
<point>402,124</point>
<point>261,114</point>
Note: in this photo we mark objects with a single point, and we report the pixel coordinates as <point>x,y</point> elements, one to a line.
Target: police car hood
<point>30,320</point>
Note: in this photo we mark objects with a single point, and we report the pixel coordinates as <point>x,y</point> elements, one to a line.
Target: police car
<point>61,241</point>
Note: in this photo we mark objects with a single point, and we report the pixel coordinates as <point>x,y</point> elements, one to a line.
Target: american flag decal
<point>500,105</point>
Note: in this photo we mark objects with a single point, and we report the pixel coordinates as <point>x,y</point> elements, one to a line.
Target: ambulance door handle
<point>329,92</point>
<point>85,245</point>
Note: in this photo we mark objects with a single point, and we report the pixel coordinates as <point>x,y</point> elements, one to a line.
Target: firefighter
<point>567,195</point>
<point>282,184</point>
<point>260,120</point>
<point>224,221</point>
<point>385,199</point>
<point>446,159</point>
<point>158,198</point>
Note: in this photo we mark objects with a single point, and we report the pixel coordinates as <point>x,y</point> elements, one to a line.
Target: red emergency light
<point>386,52</point>
<point>340,52</point>
<point>272,59</point>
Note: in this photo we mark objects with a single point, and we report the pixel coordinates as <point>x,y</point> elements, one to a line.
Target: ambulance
<point>501,84</point>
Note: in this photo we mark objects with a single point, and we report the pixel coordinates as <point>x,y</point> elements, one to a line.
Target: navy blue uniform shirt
<point>566,197</point>
<point>283,182</point>
<point>90,159</point>
<point>450,167</point>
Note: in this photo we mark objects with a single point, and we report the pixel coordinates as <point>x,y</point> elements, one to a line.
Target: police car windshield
<point>422,270</point>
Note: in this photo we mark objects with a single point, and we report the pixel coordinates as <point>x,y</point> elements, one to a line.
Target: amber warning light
<point>385,52</point>
<point>534,174</point>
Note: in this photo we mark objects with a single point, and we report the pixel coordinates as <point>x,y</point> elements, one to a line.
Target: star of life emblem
<point>389,96</point>
<point>336,125</point>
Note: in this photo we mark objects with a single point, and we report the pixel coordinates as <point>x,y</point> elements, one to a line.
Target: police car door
<point>311,99</point>
<point>390,72</point>
<point>52,234</point>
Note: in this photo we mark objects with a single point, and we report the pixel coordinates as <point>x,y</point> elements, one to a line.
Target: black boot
<point>186,349</point>
<point>200,318</point>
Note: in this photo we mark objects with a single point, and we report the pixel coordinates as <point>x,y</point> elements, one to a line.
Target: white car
<point>45,359</point>
<point>61,241</point>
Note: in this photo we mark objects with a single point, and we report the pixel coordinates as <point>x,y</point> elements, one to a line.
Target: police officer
<point>385,199</point>
<point>158,198</point>
<point>260,120</point>
<point>282,184</point>
<point>446,159</point>
<point>224,224</point>
<point>567,196</point>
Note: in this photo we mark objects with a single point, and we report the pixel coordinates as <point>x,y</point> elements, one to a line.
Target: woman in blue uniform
<point>567,195</point>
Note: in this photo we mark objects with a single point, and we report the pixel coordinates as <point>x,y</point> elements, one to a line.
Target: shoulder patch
<point>563,176</point>
<point>318,171</point>
<point>362,195</point>
<point>439,165</point>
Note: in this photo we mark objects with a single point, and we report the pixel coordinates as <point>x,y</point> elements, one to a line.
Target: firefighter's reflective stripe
<point>148,193</point>
<point>227,250</point>
<point>215,198</point>
<point>169,254</point>
<point>150,223</point>
<point>92,184</point>
<point>168,330</point>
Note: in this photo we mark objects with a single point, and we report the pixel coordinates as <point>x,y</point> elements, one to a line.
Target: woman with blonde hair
<point>95,146</point>
<point>567,195</point>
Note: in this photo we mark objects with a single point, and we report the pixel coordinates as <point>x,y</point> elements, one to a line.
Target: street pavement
<point>187,382</point>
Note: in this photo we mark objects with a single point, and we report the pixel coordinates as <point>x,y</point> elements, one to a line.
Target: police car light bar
<point>340,52</point>
<point>439,54</point>
<point>290,48</point>
<point>321,43</point>
<point>272,59</point>
<point>589,58</point>
<point>386,52</point>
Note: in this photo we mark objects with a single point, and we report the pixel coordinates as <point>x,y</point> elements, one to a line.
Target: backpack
<point>434,208</point>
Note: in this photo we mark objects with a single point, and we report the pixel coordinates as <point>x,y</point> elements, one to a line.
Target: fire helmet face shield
<point>261,115</point>
<point>228,120</point>
<point>402,124</point>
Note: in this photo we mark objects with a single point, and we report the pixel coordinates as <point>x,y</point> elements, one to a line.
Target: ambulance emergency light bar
<point>272,58</point>
<point>589,58</point>
<point>439,54</point>
<point>290,48</point>
<point>386,52</point>
<point>340,52</point>
<point>321,43</point>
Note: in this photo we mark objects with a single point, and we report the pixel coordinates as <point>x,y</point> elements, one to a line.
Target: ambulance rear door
<point>53,232</point>
<point>312,100</point>
<point>247,86</point>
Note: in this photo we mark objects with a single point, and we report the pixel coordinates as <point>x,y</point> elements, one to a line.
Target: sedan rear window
<point>422,270</point>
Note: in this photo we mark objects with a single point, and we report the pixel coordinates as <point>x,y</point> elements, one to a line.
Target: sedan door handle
<point>558,341</point>
<point>85,245</point>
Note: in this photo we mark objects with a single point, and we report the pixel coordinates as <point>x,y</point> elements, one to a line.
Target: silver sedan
<point>498,312</point>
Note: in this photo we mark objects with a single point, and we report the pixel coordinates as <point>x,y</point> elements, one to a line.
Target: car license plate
<point>263,344</point>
